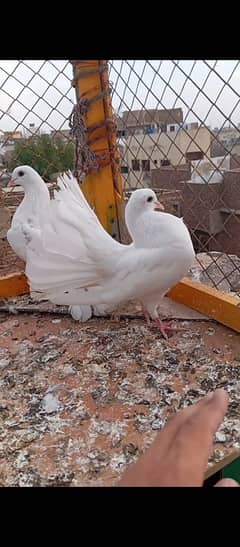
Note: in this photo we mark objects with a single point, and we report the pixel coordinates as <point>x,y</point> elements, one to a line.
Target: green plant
<point>46,154</point>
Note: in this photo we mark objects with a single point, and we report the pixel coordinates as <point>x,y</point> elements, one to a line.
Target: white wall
<point>160,146</point>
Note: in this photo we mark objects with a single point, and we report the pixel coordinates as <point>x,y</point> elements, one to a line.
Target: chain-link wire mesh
<point>178,132</point>
<point>36,100</point>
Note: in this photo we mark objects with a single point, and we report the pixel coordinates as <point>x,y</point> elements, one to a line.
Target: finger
<point>194,439</point>
<point>207,416</point>
<point>173,450</point>
<point>168,434</point>
<point>177,419</point>
<point>226,482</point>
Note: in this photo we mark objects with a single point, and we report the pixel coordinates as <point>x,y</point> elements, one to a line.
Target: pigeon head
<point>141,204</point>
<point>25,176</point>
<point>143,200</point>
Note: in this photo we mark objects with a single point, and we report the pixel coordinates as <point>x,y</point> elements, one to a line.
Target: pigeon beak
<point>159,205</point>
<point>12,182</point>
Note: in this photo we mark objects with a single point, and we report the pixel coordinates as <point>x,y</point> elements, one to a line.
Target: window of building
<point>135,165</point>
<point>147,130</point>
<point>155,162</point>
<point>124,169</point>
<point>138,131</point>
<point>192,156</point>
<point>164,163</point>
<point>146,165</point>
<point>172,128</point>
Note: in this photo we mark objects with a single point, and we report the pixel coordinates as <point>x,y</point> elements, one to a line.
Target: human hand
<point>180,452</point>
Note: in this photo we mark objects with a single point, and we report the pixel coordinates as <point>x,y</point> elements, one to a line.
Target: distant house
<point>137,122</point>
<point>145,152</point>
<point>32,131</point>
<point>11,135</point>
<point>211,211</point>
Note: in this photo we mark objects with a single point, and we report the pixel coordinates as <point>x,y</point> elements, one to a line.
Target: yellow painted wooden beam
<point>100,187</point>
<point>232,455</point>
<point>14,284</point>
<point>211,302</point>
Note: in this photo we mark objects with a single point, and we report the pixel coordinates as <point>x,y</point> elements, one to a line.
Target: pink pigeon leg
<point>147,317</point>
<point>168,327</point>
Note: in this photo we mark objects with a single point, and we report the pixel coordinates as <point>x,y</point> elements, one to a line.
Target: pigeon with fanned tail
<point>78,263</point>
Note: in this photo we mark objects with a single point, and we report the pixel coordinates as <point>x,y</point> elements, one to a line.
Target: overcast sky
<point>40,91</point>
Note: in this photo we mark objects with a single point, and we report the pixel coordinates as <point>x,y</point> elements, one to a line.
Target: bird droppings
<point>50,403</point>
<point>48,356</point>
<point>210,331</point>
<point>4,363</point>
<point>217,455</point>
<point>81,402</point>
<point>220,437</point>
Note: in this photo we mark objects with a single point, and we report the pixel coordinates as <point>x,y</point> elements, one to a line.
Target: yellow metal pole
<point>103,188</point>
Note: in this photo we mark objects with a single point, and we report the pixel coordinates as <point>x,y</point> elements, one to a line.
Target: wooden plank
<point>211,302</point>
<point>219,466</point>
<point>14,284</point>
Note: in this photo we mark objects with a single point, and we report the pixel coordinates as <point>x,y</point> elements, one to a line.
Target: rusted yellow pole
<point>102,188</point>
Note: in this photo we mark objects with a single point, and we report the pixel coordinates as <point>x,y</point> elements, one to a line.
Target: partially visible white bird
<point>35,210</point>
<point>32,211</point>
<point>78,263</point>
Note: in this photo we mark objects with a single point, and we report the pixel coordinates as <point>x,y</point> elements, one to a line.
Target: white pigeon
<point>35,210</point>
<point>147,236</point>
<point>79,263</point>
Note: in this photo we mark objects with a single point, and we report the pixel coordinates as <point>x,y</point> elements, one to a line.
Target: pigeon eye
<point>20,173</point>
<point>150,199</point>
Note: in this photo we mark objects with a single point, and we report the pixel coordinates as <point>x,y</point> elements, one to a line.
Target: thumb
<point>227,482</point>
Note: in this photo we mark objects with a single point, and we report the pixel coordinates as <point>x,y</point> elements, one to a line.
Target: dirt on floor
<point>80,402</point>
